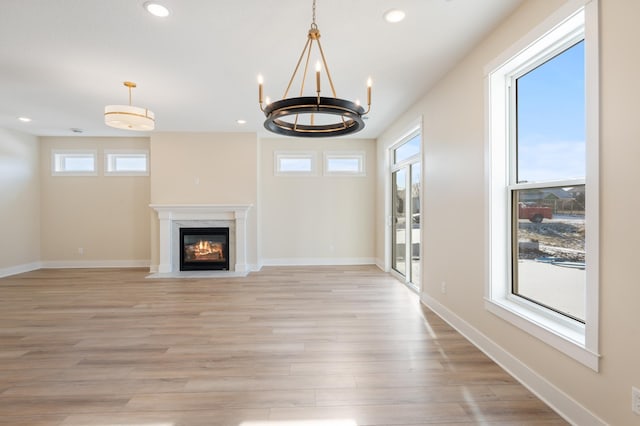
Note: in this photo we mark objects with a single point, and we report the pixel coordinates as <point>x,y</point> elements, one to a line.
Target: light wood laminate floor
<point>321,346</point>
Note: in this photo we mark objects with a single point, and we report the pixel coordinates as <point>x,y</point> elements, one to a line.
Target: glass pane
<point>551,119</point>
<point>399,221</point>
<point>407,149</point>
<point>295,164</point>
<point>415,223</point>
<point>549,267</point>
<point>351,165</point>
<point>78,164</point>
<point>130,163</point>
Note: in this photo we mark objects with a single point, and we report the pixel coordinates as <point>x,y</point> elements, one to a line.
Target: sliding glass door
<point>406,184</point>
<point>399,222</point>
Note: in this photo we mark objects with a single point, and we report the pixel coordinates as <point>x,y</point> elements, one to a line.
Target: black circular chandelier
<point>313,116</point>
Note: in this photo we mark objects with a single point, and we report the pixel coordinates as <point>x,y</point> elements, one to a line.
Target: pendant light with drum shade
<point>129,117</point>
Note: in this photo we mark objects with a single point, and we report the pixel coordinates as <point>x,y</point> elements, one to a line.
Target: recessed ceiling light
<point>241,121</point>
<point>24,119</point>
<point>394,15</point>
<point>156,9</point>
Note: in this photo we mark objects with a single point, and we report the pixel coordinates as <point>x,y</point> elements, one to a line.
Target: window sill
<point>63,173</point>
<point>567,340</point>
<point>126,173</point>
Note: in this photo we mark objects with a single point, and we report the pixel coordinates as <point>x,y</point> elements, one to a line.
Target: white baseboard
<point>318,261</point>
<point>254,267</point>
<point>562,403</point>
<point>76,264</point>
<point>19,269</point>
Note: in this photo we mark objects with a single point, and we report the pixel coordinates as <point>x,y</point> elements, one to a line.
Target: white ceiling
<point>62,61</point>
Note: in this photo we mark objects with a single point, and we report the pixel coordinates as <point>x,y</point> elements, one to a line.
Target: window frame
<point>58,156</point>
<point>360,156</point>
<point>576,19</point>
<point>415,131</point>
<point>280,155</point>
<point>111,153</point>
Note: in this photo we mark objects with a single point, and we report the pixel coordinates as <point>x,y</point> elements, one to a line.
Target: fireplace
<point>173,217</point>
<point>204,249</point>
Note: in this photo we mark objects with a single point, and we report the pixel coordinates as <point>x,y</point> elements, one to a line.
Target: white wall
<point>454,222</point>
<point>106,216</point>
<point>205,168</point>
<point>19,202</point>
<point>317,219</point>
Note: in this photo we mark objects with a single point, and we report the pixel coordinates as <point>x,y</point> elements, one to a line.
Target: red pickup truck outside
<point>534,213</point>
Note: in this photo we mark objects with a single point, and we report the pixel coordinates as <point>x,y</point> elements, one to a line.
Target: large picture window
<point>543,190</point>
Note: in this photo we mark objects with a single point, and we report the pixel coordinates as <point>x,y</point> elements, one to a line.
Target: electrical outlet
<point>443,287</point>
<point>80,251</point>
<point>635,400</point>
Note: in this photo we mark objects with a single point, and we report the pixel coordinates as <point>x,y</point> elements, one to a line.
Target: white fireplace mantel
<point>168,214</point>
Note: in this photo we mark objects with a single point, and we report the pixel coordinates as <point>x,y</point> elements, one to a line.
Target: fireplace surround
<point>173,217</point>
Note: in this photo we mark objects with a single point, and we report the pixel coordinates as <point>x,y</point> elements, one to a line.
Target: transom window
<point>295,163</point>
<point>73,162</point>
<point>344,163</point>
<point>407,150</point>
<point>126,163</point>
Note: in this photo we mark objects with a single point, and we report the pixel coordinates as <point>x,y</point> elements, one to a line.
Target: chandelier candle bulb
<point>369,84</point>
<point>318,68</point>
<point>260,81</point>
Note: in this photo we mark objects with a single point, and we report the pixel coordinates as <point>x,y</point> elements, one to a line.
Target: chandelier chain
<point>313,19</point>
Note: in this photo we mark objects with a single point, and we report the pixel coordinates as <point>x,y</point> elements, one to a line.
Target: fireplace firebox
<point>204,249</point>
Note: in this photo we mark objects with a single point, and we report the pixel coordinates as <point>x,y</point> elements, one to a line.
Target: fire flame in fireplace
<point>204,250</point>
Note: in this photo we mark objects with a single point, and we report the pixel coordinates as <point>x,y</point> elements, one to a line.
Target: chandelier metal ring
<point>351,116</point>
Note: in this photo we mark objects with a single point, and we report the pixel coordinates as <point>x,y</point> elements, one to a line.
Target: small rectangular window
<point>295,163</point>
<point>344,163</point>
<point>126,163</point>
<point>407,150</point>
<point>73,163</point>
